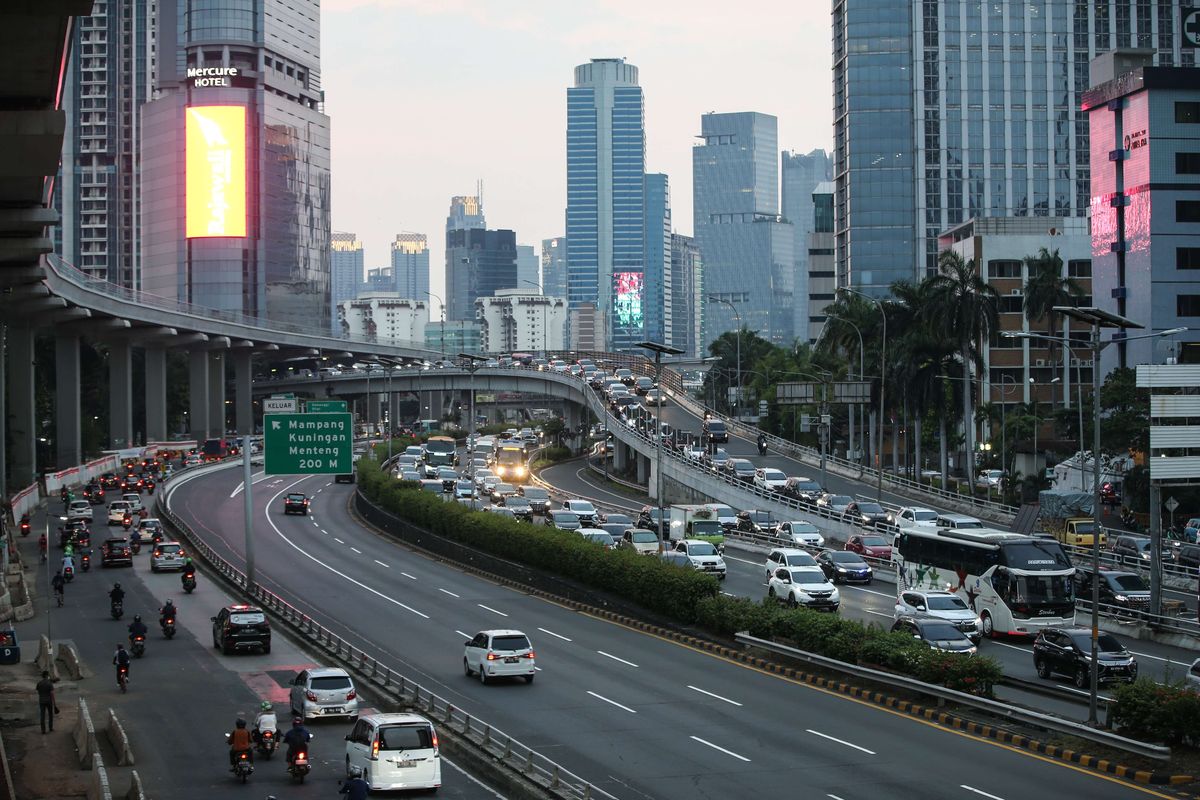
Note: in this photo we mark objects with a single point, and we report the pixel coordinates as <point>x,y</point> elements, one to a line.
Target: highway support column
<point>67,411</point>
<point>216,394</point>
<point>198,395</point>
<point>242,394</point>
<point>120,394</point>
<point>21,418</point>
<point>156,394</point>
<point>643,468</point>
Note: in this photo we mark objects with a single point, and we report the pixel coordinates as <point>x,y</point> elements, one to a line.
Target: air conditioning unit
<point>1087,363</point>
<point>1016,293</point>
<point>1041,362</point>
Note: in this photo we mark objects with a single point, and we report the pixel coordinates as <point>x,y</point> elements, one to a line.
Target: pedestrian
<point>47,707</point>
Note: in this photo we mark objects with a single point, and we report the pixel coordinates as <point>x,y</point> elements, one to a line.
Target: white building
<point>516,320</point>
<point>385,317</point>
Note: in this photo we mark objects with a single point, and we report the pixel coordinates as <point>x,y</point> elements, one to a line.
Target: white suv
<point>117,510</point>
<point>789,557</point>
<point>943,605</point>
<point>914,518</point>
<point>769,479</point>
<point>703,555</point>
<point>79,509</point>
<point>394,751</point>
<point>499,653</point>
<point>582,509</point>
<point>803,586</point>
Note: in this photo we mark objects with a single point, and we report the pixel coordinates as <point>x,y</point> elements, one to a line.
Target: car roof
<point>503,632</point>
<point>394,719</point>
<point>321,672</point>
<point>695,541</point>
<point>959,517</point>
<point>242,607</point>
<point>790,551</point>
<point>166,542</point>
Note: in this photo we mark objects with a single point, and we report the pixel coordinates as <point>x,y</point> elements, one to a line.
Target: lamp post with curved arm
<point>862,371</point>
<point>882,386</point>
<point>712,298</point>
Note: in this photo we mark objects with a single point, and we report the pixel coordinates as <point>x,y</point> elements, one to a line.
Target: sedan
<point>866,513</point>
<point>833,505</point>
<point>601,538</point>
<point>464,489</point>
<point>842,566</point>
<point>449,479</point>
<point>869,545</point>
<point>937,633</point>
<point>641,541</point>
<point>943,605</point>
<point>564,520</point>
<point>740,468</point>
<point>616,519</point>
<point>519,506</point>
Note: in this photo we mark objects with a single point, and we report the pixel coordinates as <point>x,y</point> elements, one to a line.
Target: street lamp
<point>442,306</point>
<point>545,303</point>
<point>882,386</point>
<point>472,365</point>
<point>659,350</point>
<point>712,298</point>
<point>862,371</point>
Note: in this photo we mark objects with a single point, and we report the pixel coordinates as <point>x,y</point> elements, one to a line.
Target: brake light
<point>311,696</point>
<point>267,734</point>
<point>529,654</point>
<point>435,739</point>
<point>170,620</point>
<point>375,748</point>
<point>351,695</point>
<point>492,656</point>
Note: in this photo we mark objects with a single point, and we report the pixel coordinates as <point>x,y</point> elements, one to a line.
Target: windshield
<point>503,488</point>
<point>406,737</point>
<point>715,426</point>
<point>599,538</point>
<point>843,557</point>
<point>1034,590</point>
<point>839,500</point>
<point>706,527</point>
<point>536,494</point>
<point>448,475</point>
<point>289,497</point>
<point>804,527</point>
<point>516,502</point>
<point>950,602</point>
<point>644,537</point>
<point>941,632</point>
<point>328,683</point>
<point>702,549</point>
<point>435,446</point>
<point>248,618</point>
<point>510,642</point>
<point>722,511</point>
<point>1130,583</point>
<point>808,576</point>
<point>1038,555</point>
<point>925,516</point>
<point>801,560</point>
<point>773,475</point>
<point>564,517</point>
<point>870,508</point>
<point>583,507</point>
<point>874,541</point>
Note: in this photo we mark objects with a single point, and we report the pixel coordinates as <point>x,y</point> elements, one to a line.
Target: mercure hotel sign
<point>212,76</point>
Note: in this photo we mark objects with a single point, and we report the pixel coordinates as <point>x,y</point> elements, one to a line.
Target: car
<point>394,752</point>
<point>602,538</point>
<point>703,555</point>
<point>1188,555</point>
<point>132,484</point>
<point>656,397</point>
<point>943,605</point>
<point>643,385</point>
<point>75,532</point>
<point>989,478</point>
<point>449,479</point>
<point>1191,530</point>
<point>500,491</point>
<point>241,627</point>
<point>411,475</point>
<point>1137,549</point>
<point>843,566</point>
<point>582,509</point>
<point>717,459</point>
<point>788,557</point>
<point>770,479</point>
<point>866,513</point>
<point>134,500</point>
<point>615,519</point>
<point>755,520</point>
<point>323,692</point>
<point>1068,651</point>
<point>519,506</point>
<point>116,552</point>
<point>677,558</point>
<point>625,376</point>
<point>94,493</point>
<point>168,555</point>
<point>937,633</point>
<point>1124,591</point>
<point>499,653</point>
<point>1192,679</point>
<point>803,586</point>
<point>740,469</point>
<point>801,488</point>
<point>564,520</point>
<point>117,510</point>
<point>833,505</point>
<point>724,514</point>
<point>539,498</point>
<point>481,476</point>
<point>639,540</point>
<point>295,503</point>
<point>913,517</point>
<point>802,532</point>
<point>872,545</point>
<point>464,489</point>
<point>81,509</point>
<point>109,480</point>
<point>715,430</point>
<point>960,522</point>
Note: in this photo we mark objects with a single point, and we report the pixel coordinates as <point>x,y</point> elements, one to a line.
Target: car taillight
<point>435,739</point>
<point>492,656</point>
<point>351,694</point>
<point>311,696</point>
<point>375,748</point>
<point>529,654</point>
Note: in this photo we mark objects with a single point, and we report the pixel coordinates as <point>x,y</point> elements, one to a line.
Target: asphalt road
<point>639,716</point>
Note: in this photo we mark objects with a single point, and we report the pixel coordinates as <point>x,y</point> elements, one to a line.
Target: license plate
<point>405,764</point>
<point>335,710</point>
<point>512,660</point>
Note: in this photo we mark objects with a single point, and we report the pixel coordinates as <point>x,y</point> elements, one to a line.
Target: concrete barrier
<point>98,787</point>
<point>45,657</point>
<point>9,790</point>
<point>119,740</point>
<point>84,735</point>
<point>136,790</point>
<point>72,663</point>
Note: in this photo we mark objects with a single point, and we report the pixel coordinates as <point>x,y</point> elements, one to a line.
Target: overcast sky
<point>427,97</point>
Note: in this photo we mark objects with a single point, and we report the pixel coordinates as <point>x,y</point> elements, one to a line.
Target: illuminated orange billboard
<point>216,171</point>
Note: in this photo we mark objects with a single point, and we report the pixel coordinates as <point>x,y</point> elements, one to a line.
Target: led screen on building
<point>628,290</point>
<point>216,171</point>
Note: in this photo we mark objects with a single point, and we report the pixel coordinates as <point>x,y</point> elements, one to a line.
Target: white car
<point>394,751</point>
<point>117,510</point>
<point>134,499</point>
<point>769,479</point>
<point>147,528</point>
<point>582,509</point>
<point>989,478</point>
<point>914,518</point>
<point>724,514</point>
<point>167,555</point>
<point>79,509</point>
<point>1193,676</point>
<point>323,692</point>
<point>499,653</point>
<point>943,605</point>
<point>789,557</point>
<point>703,555</point>
<point>803,586</point>
<point>801,532</point>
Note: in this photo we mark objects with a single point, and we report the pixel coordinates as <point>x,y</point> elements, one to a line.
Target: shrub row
<point>1162,712</point>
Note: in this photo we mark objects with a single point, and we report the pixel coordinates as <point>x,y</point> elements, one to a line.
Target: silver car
<point>323,692</point>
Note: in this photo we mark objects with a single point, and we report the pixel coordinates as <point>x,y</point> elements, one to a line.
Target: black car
<point>539,498</point>
<point>740,469</point>
<point>1118,588</point>
<point>624,520</point>
<point>115,552</point>
<point>94,493</point>
<point>520,506</point>
<point>109,480</point>
<point>715,431</point>
<point>805,489</point>
<point>241,627</point>
<point>295,503</point>
<point>1067,651</point>
<point>866,513</point>
<point>754,520</point>
<point>1188,555</point>
<point>940,634</point>
<point>844,566</point>
<point>74,532</point>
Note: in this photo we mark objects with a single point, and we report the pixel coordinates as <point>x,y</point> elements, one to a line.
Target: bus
<point>510,464</point>
<point>1016,584</point>
<point>441,451</point>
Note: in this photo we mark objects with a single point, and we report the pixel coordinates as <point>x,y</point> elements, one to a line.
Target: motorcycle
<point>135,544</point>
<point>189,583</point>
<point>26,528</point>
<point>266,743</point>
<point>117,610</point>
<point>85,562</point>
<point>298,767</point>
<point>68,574</point>
<point>127,521</point>
<point>139,646</point>
<point>243,766</point>
<point>168,627</point>
<point>123,676</point>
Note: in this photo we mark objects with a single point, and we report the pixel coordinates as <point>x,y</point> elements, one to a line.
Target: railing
<point>496,744</point>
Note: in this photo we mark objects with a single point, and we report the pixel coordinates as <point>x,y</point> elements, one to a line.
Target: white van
<point>394,751</point>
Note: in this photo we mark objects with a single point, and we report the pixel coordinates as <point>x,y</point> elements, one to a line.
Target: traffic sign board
<point>279,405</point>
<point>325,406</point>
<point>1171,504</point>
<point>307,444</point>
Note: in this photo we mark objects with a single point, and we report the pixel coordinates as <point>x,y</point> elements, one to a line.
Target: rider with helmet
<point>137,628</point>
<point>239,742</point>
<point>265,721</point>
<point>296,739</point>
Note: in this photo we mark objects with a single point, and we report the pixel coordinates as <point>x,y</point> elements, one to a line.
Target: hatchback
<point>167,555</point>
<point>499,653</point>
<point>394,751</point>
<point>323,692</point>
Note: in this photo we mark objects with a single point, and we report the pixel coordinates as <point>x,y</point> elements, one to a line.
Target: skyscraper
<point>606,162</point>
<point>410,265</point>
<point>687,296</point>
<point>466,213</point>
<point>110,76</point>
<point>746,246</point>
<point>345,273</point>
<point>528,267</point>
<point>952,110</point>
<point>235,175</point>
<point>478,263</point>
<point>554,267</point>
<point>658,301</point>
<point>801,175</point>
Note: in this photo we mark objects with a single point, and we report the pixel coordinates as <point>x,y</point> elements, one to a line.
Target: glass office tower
<point>659,298</point>
<point>345,273</point>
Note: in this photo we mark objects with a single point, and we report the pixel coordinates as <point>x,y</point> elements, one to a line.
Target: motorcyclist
<point>137,627</point>
<point>68,565</point>
<point>58,584</point>
<point>121,658</point>
<point>117,595</point>
<point>166,612</point>
<point>189,571</point>
<point>296,739</point>
<point>42,546</point>
<point>239,742</point>
<point>265,721</point>
<point>762,444</point>
<point>356,788</point>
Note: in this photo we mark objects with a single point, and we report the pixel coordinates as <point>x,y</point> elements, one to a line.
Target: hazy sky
<point>429,96</point>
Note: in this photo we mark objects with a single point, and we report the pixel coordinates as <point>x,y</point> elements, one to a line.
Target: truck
<point>1067,516</point>
<point>215,449</point>
<point>441,451</point>
<point>696,522</point>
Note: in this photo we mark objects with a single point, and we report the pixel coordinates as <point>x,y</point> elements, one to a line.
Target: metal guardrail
<point>1008,711</point>
<point>496,744</point>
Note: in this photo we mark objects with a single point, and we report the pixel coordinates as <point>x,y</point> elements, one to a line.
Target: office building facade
<point>384,317</point>
<point>658,299</point>
<point>345,272</point>
<point>466,213</point>
<point>517,320</point>
<point>606,164</point>
<point>479,262</point>
<point>529,267</point>
<point>451,338</point>
<point>687,296</point>
<point>822,283</point>
<point>410,265</point>
<point>801,174</point>
<point>554,266</point>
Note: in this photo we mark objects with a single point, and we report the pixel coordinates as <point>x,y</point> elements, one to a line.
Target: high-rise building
<point>345,273</point>
<point>466,213</point>
<point>528,267</point>
<point>658,299</point>
<point>450,338</point>
<point>606,162</point>
<point>745,244</point>
<point>479,262</point>
<point>110,76</point>
<point>822,283</point>
<point>687,296</point>
<point>952,110</point>
<point>235,174</point>
<point>410,265</point>
<point>517,320</point>
<point>554,266</point>
<point>384,317</point>
<point>801,176</point>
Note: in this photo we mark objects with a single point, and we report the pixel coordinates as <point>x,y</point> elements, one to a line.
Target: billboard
<point>628,290</point>
<point>216,171</point>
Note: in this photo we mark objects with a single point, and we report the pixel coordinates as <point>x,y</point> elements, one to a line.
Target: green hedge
<point>1162,712</point>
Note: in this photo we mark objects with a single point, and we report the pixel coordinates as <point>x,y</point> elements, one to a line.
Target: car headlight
<point>1120,598</point>
<point>840,568</point>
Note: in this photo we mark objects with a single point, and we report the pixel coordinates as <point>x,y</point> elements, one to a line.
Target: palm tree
<point>966,310</point>
<point>1046,287</point>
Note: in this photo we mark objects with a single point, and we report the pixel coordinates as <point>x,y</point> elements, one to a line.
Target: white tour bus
<point>1016,584</point>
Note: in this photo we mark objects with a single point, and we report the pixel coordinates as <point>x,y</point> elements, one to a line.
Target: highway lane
<point>640,716</point>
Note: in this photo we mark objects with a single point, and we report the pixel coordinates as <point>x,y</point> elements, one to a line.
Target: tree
<point>1045,288</point>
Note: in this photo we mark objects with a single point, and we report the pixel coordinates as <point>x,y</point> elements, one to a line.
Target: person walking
<point>47,707</point>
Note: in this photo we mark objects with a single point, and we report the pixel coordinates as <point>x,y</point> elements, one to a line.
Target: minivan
<point>958,522</point>
<point>394,751</point>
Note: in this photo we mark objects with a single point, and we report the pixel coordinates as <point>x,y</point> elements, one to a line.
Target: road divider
<point>84,734</point>
<point>72,663</point>
<point>119,740</point>
<point>98,787</point>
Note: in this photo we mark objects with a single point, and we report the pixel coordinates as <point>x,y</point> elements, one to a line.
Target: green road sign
<point>307,444</point>
<point>325,406</point>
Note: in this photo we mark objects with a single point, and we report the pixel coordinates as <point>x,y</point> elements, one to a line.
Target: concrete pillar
<point>242,396</point>
<point>156,394</point>
<point>66,401</point>
<point>643,468</point>
<point>394,409</point>
<point>216,394</point>
<point>198,395</point>
<point>22,425</point>
<point>620,455</point>
<point>120,395</point>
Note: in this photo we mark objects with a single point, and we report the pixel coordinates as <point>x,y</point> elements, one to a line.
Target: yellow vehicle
<point>1078,531</point>
<point>510,465</point>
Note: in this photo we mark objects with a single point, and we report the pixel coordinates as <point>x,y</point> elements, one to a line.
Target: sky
<point>428,97</point>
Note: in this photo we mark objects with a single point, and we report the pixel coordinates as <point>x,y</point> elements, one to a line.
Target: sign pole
<point>249,514</point>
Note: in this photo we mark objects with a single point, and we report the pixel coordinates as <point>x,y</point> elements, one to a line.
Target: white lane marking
<point>355,549</point>
<point>1156,658</point>
<point>322,530</point>
<point>339,541</point>
<point>614,658</point>
<point>329,484</point>
<point>743,560</point>
<point>871,591</point>
<point>722,749</point>
<point>447,591</point>
<point>313,558</point>
<point>473,779</point>
<point>840,741</point>
<point>380,563</point>
<point>613,702</point>
<point>834,796</point>
<point>976,791</point>
<point>717,696</point>
<point>552,633</point>
<point>879,613</point>
<point>460,633</point>
<point>255,478</point>
<point>494,611</point>
<point>405,574</point>
<point>1011,646</point>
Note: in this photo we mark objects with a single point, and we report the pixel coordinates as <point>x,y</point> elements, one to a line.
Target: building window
<point>1079,268</point>
<point>1187,305</point>
<point>1187,210</point>
<point>1187,112</point>
<point>1187,258</point>
<point>1011,303</point>
<point>1003,268</point>
<point>1187,163</point>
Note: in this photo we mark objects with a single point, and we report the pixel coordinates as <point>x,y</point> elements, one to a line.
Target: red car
<point>870,545</point>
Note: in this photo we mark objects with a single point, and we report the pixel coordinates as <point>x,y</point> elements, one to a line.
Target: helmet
<point>266,706</point>
<point>116,586</point>
<point>297,722</point>
<point>137,617</point>
<point>241,723</point>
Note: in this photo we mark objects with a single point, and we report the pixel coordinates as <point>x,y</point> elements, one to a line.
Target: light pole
<point>659,350</point>
<point>737,315</point>
<point>862,373</point>
<point>882,387</point>
<point>545,303</point>
<point>442,306</point>
<point>472,365</point>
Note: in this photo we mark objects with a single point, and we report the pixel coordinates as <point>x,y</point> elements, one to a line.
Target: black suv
<point>1125,590</point>
<point>1067,651</point>
<point>756,521</point>
<point>116,553</point>
<point>539,498</point>
<point>241,627</point>
<point>295,503</point>
<point>1188,555</point>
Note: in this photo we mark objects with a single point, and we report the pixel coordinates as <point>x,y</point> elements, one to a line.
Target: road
<point>639,716</point>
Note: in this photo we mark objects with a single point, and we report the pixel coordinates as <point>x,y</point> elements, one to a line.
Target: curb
<point>766,665</point>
